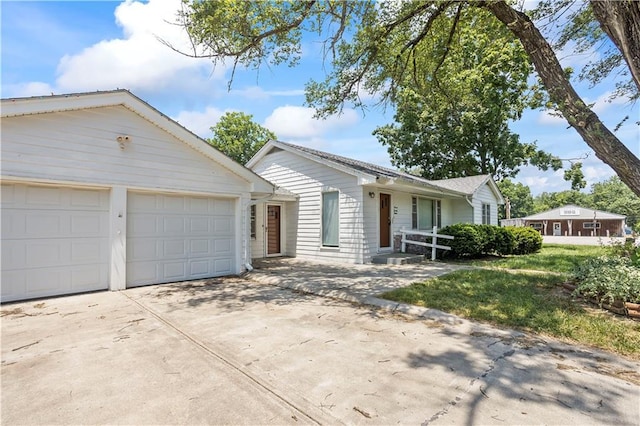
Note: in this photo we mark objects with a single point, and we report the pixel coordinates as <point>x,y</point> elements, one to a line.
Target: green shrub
<point>608,278</point>
<point>526,240</point>
<point>467,242</point>
<point>504,241</point>
<point>488,237</point>
<point>627,249</point>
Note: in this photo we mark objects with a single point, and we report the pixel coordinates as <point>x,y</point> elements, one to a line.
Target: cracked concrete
<point>231,351</point>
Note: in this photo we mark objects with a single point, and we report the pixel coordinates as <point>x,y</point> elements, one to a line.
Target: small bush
<point>526,240</point>
<point>504,241</point>
<point>467,242</point>
<point>627,249</point>
<point>608,278</point>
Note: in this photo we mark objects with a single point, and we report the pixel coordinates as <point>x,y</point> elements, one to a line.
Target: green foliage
<point>520,300</point>
<point>558,258</point>
<point>456,123</point>
<point>382,48</point>
<point>551,200</point>
<point>607,279</point>
<point>583,32</point>
<point>472,240</point>
<point>575,176</point>
<point>519,196</point>
<point>467,242</point>
<point>628,250</point>
<point>237,136</point>
<point>526,240</point>
<point>614,196</point>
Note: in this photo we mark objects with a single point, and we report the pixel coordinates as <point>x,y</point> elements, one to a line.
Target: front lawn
<point>552,258</point>
<point>531,302</point>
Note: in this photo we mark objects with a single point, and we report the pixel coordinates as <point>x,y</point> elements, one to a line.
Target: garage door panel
<point>174,238</point>
<point>174,271</point>
<point>174,249</point>
<point>142,249</point>
<point>223,266</point>
<point>54,240</point>
<point>173,225</point>
<point>222,246</point>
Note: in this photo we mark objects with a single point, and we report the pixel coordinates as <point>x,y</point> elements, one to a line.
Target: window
<point>591,225</point>
<point>425,213</point>
<point>486,214</point>
<point>330,218</point>
<point>253,221</point>
<point>536,225</point>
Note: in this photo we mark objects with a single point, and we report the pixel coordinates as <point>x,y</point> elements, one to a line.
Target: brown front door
<point>273,229</point>
<point>385,220</point>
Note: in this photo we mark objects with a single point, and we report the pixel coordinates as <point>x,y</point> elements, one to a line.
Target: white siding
<point>258,243</point>
<point>81,146</point>
<point>308,179</point>
<point>461,212</point>
<point>485,195</point>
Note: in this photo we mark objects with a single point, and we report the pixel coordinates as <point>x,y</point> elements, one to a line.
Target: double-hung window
<point>330,218</point>
<point>425,213</point>
<point>486,214</point>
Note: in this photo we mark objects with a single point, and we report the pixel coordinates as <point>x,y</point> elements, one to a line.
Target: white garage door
<point>54,241</point>
<point>174,238</point>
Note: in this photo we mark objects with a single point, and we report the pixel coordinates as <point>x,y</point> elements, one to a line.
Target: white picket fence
<point>433,244</point>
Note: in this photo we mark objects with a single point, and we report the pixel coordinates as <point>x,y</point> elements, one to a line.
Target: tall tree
<point>389,37</point>
<point>551,200</point>
<point>614,196</point>
<point>456,123</point>
<point>520,199</point>
<point>239,137</point>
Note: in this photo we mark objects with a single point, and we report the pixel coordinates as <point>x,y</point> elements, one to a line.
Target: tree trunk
<point>606,145</point>
<point>620,20</point>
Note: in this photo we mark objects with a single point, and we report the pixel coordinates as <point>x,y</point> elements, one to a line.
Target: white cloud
<point>295,122</point>
<point>551,118</point>
<point>139,61</point>
<point>256,92</point>
<point>199,122</point>
<point>34,88</point>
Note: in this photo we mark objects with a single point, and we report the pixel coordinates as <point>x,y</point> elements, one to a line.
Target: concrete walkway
<point>354,283</point>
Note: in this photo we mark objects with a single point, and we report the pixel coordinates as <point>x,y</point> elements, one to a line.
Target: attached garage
<point>54,240</point>
<point>102,191</point>
<point>178,237</point>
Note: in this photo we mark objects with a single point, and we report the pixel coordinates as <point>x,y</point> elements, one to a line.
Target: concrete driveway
<point>232,351</point>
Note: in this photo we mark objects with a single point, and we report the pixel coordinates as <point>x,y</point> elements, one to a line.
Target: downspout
<point>473,216</point>
<point>247,252</point>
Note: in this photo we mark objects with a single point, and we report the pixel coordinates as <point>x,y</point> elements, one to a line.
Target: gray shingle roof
<point>464,185</point>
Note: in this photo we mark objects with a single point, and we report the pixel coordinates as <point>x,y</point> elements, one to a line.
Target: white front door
<point>55,240</point>
<point>557,229</point>
<point>173,237</point>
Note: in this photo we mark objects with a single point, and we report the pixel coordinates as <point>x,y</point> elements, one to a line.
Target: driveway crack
<point>459,397</point>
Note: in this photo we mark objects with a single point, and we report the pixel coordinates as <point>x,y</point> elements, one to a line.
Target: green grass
<point>552,258</point>
<point>530,302</point>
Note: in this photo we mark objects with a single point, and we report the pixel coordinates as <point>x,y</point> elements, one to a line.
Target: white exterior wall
<point>462,212</point>
<point>79,148</point>
<point>308,179</point>
<point>485,195</point>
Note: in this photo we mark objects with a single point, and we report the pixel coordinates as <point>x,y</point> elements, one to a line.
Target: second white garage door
<point>177,237</point>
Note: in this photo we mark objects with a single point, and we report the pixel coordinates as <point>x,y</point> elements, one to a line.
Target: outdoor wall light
<point>123,140</point>
<point>372,194</point>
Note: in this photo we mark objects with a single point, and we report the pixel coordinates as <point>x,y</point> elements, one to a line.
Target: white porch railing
<point>433,244</point>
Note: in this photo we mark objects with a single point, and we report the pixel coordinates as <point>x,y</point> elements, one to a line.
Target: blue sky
<point>70,46</point>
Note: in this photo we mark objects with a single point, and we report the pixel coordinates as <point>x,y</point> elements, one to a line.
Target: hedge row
<point>478,240</point>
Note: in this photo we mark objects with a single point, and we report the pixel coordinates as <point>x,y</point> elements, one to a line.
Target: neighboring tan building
<point>571,220</point>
